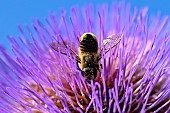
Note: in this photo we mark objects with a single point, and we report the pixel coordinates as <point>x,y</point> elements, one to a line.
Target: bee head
<point>89,73</point>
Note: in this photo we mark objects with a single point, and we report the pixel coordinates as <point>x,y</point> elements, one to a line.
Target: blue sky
<point>14,12</point>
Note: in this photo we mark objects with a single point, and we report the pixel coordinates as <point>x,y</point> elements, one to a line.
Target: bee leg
<point>77,62</point>
<point>99,67</point>
<point>78,59</point>
<point>78,66</point>
<point>99,56</point>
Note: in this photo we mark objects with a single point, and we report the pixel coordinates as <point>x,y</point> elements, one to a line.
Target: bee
<point>89,55</point>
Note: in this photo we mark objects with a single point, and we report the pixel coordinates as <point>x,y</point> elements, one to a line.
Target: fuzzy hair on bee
<point>89,53</point>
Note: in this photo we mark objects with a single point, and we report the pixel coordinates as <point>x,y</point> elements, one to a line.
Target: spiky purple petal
<point>135,74</point>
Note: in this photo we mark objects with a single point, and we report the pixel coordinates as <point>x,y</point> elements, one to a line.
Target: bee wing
<point>64,48</point>
<point>110,42</point>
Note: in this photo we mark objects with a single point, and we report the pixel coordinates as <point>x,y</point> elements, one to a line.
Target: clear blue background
<point>14,12</point>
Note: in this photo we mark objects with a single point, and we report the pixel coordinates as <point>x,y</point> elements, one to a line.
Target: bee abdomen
<point>89,44</point>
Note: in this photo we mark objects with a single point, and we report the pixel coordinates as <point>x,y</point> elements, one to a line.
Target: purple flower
<point>135,74</point>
